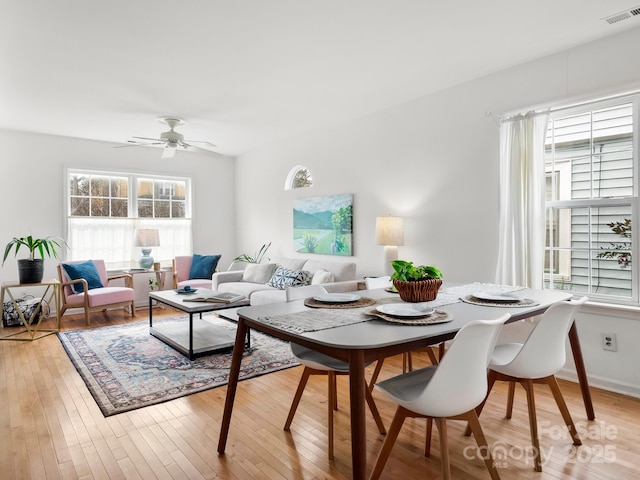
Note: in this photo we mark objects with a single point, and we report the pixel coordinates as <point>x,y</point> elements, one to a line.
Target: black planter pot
<point>30,271</point>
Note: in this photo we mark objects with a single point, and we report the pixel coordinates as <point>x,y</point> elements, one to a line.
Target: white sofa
<point>235,281</point>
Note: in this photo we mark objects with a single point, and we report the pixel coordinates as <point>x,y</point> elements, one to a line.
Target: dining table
<point>357,336</point>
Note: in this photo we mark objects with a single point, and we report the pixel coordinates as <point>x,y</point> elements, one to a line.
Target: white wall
<point>434,161</point>
<point>32,192</point>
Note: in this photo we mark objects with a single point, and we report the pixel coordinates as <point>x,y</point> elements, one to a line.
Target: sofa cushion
<point>203,266</point>
<point>292,263</point>
<point>258,272</point>
<point>284,277</point>
<point>273,295</point>
<point>243,288</point>
<point>86,270</point>
<point>322,276</point>
<point>341,270</point>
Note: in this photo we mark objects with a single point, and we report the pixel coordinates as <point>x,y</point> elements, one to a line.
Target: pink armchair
<point>96,298</point>
<point>182,271</point>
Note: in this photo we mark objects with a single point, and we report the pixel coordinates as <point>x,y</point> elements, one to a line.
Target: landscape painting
<point>323,225</point>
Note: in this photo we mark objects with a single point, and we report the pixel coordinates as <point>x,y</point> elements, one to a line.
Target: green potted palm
<point>31,270</point>
<point>416,283</point>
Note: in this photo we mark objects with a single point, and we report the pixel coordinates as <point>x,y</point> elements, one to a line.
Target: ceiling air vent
<point>618,17</point>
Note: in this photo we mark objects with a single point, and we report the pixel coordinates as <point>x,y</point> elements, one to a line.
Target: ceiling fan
<point>171,139</point>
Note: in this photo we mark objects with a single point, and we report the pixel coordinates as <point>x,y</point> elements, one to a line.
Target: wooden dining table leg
<point>578,360</point>
<point>357,387</point>
<point>234,373</point>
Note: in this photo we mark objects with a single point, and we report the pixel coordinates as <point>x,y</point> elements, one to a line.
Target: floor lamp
<point>390,233</point>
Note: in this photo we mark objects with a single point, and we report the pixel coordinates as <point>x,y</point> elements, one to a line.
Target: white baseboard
<point>602,382</point>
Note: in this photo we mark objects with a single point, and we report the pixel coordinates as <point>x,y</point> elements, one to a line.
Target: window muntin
<point>590,163</point>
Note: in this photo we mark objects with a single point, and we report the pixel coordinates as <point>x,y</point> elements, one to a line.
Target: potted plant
<point>416,283</point>
<point>256,258</point>
<point>31,270</point>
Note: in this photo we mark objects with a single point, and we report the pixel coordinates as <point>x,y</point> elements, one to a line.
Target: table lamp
<point>146,238</point>
<point>390,233</point>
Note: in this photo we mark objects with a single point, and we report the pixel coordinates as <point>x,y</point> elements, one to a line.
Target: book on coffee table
<point>216,297</point>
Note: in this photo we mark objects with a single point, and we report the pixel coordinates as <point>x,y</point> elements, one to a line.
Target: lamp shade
<point>147,237</point>
<point>390,231</point>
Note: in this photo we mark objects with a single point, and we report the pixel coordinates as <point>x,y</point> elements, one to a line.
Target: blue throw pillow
<point>86,270</point>
<point>203,266</point>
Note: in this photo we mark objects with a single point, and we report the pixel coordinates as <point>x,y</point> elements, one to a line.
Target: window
<point>591,200</point>
<point>105,209</point>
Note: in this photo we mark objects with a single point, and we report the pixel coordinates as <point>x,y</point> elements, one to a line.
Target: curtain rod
<point>559,107</point>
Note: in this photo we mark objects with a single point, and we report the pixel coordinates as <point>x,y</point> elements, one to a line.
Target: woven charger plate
<point>523,302</point>
<point>363,302</point>
<point>438,316</point>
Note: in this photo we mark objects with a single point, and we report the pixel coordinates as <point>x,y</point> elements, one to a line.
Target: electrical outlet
<point>609,342</point>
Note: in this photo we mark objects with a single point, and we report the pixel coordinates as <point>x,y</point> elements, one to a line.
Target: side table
<point>32,328</point>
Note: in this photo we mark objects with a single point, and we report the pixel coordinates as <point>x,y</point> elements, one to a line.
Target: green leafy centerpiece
<point>416,283</point>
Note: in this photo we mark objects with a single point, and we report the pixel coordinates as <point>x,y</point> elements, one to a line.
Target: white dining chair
<point>450,390</point>
<point>385,281</point>
<point>537,360</point>
<point>316,363</point>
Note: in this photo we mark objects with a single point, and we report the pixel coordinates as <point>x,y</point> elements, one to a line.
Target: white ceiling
<point>246,72</point>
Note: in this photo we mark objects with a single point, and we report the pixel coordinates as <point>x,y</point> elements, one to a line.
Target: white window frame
<point>111,238</point>
<point>631,200</point>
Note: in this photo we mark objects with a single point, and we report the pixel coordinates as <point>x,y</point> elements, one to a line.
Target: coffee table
<point>198,337</point>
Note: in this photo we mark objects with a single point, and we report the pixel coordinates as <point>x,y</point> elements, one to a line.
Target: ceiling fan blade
<point>153,139</point>
<point>168,152</point>
<point>135,144</point>
<point>202,141</point>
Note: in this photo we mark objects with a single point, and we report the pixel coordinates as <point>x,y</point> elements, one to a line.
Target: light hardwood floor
<point>51,428</point>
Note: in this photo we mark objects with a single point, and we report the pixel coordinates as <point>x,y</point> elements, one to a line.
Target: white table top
<point>379,333</point>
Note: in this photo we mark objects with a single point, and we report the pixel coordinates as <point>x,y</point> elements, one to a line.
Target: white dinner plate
<point>495,297</point>
<point>337,298</point>
<point>405,309</point>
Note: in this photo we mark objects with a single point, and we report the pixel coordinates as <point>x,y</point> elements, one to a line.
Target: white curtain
<point>522,198</point>
<point>111,239</point>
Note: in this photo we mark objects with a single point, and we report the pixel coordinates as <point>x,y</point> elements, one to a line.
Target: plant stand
<point>32,330</point>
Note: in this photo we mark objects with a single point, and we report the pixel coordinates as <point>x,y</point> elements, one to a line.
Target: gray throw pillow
<point>258,272</point>
<point>322,276</point>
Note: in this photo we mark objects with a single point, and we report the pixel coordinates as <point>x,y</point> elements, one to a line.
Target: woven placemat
<point>438,316</point>
<point>523,302</point>
<point>362,302</point>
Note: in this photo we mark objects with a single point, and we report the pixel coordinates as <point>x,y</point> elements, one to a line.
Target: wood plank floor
<point>50,428</point>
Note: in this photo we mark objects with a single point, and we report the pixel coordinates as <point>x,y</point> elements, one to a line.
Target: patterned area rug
<point>126,368</point>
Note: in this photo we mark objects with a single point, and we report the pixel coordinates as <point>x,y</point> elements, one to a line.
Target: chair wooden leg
<point>296,399</point>
<point>331,406</point>
<point>389,441</point>
<point>564,411</point>
<point>483,446</point>
<point>441,423</point>
<point>533,423</point>
<point>441,350</point>
<point>432,356</point>
<point>512,394</point>
<point>491,380</point>
<point>376,372</point>
<point>133,309</point>
<point>374,410</point>
<point>427,442</point>
<point>87,317</point>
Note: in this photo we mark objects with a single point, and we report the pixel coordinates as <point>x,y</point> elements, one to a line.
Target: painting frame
<point>323,224</point>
